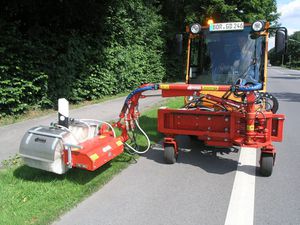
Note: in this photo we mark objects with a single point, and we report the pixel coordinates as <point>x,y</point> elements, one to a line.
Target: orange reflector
<point>210,21</point>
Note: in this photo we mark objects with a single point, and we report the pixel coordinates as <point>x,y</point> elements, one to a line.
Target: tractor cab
<point>222,57</point>
<point>223,53</point>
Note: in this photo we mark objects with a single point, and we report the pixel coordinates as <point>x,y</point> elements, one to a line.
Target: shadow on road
<point>287,96</point>
<point>211,159</point>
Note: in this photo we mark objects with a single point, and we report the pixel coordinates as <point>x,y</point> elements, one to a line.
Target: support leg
<point>267,159</point>
<point>170,150</point>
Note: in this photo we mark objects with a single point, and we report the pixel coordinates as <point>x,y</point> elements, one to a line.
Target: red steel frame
<point>240,126</point>
<point>95,152</point>
<point>247,127</point>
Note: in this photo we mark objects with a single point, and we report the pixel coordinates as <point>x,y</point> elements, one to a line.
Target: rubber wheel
<point>193,138</point>
<point>266,164</point>
<point>270,101</point>
<point>169,154</point>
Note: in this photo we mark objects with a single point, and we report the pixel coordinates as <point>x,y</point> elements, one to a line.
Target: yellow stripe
<point>102,136</point>
<point>119,143</point>
<point>164,86</point>
<point>210,88</point>
<point>250,127</point>
<point>94,157</point>
<point>187,76</point>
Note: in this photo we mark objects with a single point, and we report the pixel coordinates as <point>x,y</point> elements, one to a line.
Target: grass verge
<point>34,113</point>
<point>32,196</point>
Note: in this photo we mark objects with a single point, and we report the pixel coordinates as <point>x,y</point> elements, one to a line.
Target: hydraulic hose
<point>136,91</point>
<point>141,89</point>
<point>130,104</point>
<point>68,130</point>
<point>147,138</point>
<point>99,121</point>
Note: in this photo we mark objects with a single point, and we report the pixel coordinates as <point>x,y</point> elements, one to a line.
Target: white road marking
<point>241,205</point>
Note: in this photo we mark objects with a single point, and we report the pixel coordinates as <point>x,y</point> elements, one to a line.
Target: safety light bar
<point>258,26</point>
<point>195,28</point>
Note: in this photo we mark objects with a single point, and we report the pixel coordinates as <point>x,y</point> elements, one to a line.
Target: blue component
<point>138,90</point>
<point>255,87</point>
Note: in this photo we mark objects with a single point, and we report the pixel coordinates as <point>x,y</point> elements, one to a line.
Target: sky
<point>290,16</point>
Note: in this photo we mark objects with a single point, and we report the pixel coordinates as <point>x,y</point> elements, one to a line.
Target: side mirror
<point>179,43</point>
<point>281,41</point>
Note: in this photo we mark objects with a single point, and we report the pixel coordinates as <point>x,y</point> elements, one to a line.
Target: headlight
<point>195,28</point>
<point>258,26</point>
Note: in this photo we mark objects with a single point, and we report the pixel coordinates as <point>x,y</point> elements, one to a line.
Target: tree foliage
<point>179,13</point>
<point>292,57</point>
<point>293,53</point>
<point>84,50</point>
<point>80,50</point>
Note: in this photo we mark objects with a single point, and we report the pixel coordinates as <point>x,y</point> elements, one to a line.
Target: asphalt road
<point>11,135</point>
<point>205,189</point>
<point>278,197</point>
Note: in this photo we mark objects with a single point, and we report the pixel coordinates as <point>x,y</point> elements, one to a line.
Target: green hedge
<point>40,65</point>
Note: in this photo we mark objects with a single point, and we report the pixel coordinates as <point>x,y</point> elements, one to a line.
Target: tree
<point>87,49</point>
<point>292,58</point>
<point>294,50</point>
<point>221,10</point>
<point>179,13</point>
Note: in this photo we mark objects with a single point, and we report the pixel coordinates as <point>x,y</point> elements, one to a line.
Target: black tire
<point>169,154</point>
<point>193,138</point>
<point>266,164</point>
<point>271,102</point>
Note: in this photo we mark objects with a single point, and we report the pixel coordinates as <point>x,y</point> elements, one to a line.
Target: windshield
<point>224,57</point>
